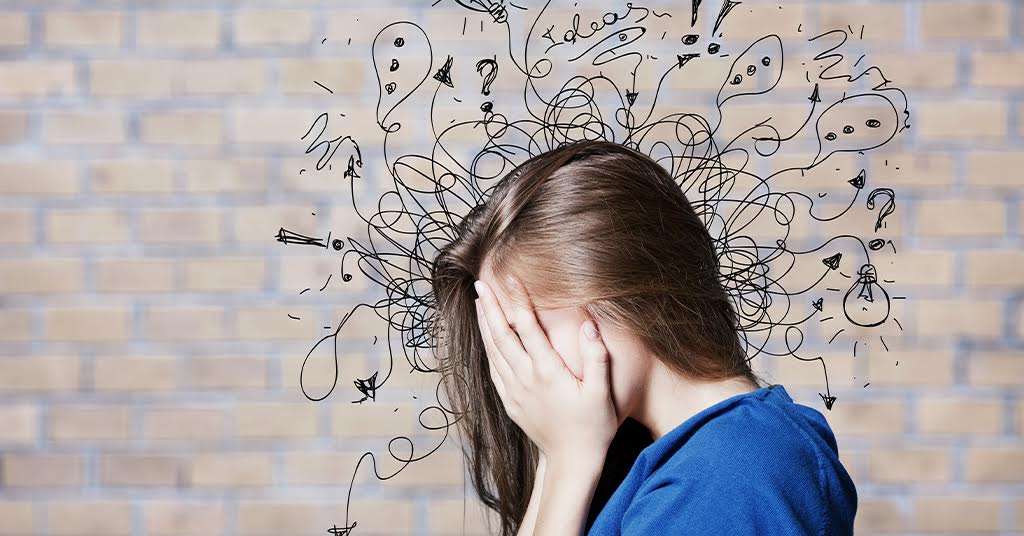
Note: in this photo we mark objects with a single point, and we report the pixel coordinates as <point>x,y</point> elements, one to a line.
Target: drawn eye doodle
<point>865,108</point>
<point>690,39</point>
<point>756,83</point>
<point>713,48</point>
<point>408,75</point>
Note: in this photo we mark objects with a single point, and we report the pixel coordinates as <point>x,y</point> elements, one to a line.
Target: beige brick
<point>83,127</point>
<point>78,423</point>
<point>867,418</point>
<point>227,373</point>
<point>19,424</point>
<point>14,31</point>
<point>962,120</point>
<point>321,468</point>
<point>750,20</point>
<point>15,325</point>
<point>163,518</point>
<point>132,176</point>
<point>441,468</point>
<point>911,368</point>
<point>995,168</point>
<point>995,269</point>
<point>956,514</point>
<point>235,469</point>
<point>27,79</point>
<point>180,226</point>
<point>135,275</point>
<point>919,70</point>
<point>997,69</point>
<point>256,224</point>
<point>224,77</point>
<point>225,175</point>
<point>141,470</point>
<point>923,170</point>
<point>342,76</point>
<point>884,22</point>
<point>82,28</point>
<point>950,415</point>
<point>87,324</point>
<point>52,177</point>
<point>272,27</point>
<point>995,464</point>
<point>276,125</point>
<point>184,323</point>
<point>17,515</point>
<point>963,317</point>
<point>954,20</point>
<point>182,127</point>
<point>269,518</point>
<point>18,226</point>
<point>262,420</point>
<point>450,518</point>
<point>144,373</point>
<point>362,420</point>
<point>90,226</point>
<point>145,78</point>
<point>29,275</point>
<point>922,268</point>
<point>192,29</point>
<point>185,424</point>
<point>961,217</point>
<point>110,518</point>
<point>13,123</point>
<point>225,274</point>
<point>39,373</point>
<point>36,470</point>
<point>907,465</point>
<point>274,323</point>
<point>1003,369</point>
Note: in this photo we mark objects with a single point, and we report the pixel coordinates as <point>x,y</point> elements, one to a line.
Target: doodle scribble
<point>782,283</point>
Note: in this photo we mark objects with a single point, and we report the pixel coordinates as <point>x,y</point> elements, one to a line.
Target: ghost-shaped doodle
<point>856,123</point>
<point>402,58</point>
<point>757,70</point>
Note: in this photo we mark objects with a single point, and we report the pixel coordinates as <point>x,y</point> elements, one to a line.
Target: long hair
<point>592,224</point>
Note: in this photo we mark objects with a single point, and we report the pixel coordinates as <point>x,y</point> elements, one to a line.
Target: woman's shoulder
<point>769,454</point>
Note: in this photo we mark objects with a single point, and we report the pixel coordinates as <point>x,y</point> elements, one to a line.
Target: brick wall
<point>149,372</point>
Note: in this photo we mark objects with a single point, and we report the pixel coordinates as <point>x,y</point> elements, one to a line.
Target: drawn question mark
<point>888,207</point>
<point>487,68</point>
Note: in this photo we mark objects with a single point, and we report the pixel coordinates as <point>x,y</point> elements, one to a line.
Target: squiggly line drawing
<point>780,284</point>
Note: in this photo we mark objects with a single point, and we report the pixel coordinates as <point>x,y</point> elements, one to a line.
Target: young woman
<point>589,346</point>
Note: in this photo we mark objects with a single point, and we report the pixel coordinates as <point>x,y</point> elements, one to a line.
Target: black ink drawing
<point>829,283</point>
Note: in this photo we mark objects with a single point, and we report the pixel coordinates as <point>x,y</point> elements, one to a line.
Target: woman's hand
<point>570,420</point>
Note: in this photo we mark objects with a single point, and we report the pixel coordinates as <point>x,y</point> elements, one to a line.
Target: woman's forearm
<point>529,523</point>
<point>569,484</point>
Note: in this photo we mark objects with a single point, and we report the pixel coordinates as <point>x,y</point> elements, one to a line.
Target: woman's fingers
<point>498,368</point>
<point>503,339</point>
<point>526,325</point>
<point>596,361</point>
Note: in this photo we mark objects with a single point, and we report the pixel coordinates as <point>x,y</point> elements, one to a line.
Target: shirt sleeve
<point>714,506</point>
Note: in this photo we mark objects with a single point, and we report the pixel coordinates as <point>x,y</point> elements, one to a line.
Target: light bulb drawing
<point>866,304</point>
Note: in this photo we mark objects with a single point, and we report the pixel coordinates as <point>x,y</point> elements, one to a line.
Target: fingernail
<point>479,287</point>
<point>590,329</point>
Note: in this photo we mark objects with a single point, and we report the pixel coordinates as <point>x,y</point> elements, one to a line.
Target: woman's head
<point>592,229</point>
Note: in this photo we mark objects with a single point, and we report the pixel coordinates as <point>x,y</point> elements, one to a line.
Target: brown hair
<point>592,224</point>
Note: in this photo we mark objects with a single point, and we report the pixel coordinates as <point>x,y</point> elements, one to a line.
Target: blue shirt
<point>755,463</point>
